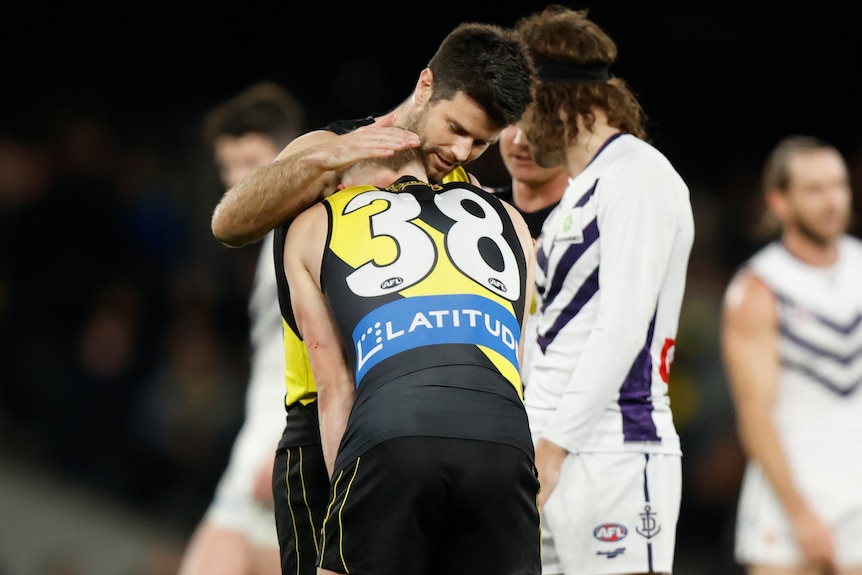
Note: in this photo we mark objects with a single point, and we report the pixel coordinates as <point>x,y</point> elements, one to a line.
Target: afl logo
<point>497,284</point>
<point>391,283</point>
<point>610,532</point>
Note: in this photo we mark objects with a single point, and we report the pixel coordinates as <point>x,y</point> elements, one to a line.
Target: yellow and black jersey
<point>427,283</point>
<point>302,428</point>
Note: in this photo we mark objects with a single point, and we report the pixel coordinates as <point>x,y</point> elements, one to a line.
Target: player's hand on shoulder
<point>379,139</point>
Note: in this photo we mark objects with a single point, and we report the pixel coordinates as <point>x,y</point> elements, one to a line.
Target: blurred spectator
<point>87,416</point>
<point>188,412</point>
<point>95,242</point>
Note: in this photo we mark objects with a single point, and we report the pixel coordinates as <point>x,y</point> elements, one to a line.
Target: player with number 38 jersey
<point>433,276</point>
<point>410,299</point>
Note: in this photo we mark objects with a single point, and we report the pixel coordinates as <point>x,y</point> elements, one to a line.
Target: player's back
<point>427,284</point>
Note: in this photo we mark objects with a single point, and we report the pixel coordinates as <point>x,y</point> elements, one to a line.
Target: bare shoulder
<point>307,220</point>
<point>749,302</point>
<point>307,226</point>
<point>521,226</point>
<point>513,213</point>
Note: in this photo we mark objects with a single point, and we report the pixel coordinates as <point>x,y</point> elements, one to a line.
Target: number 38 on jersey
<point>465,226</point>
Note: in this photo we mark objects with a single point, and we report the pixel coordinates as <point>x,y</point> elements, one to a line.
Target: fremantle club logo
<point>649,526</point>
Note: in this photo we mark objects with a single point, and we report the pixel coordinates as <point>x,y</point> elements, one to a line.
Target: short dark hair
<point>490,65</point>
<point>264,108</point>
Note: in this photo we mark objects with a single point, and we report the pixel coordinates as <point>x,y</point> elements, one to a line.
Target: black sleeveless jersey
<point>300,389</point>
<point>427,283</point>
<point>534,220</point>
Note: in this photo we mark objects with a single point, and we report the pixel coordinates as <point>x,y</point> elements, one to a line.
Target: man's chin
<point>548,159</point>
<point>436,173</point>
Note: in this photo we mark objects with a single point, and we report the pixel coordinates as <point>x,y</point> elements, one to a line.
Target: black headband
<point>550,71</point>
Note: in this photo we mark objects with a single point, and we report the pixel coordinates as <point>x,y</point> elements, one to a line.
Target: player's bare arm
<point>530,253</point>
<point>750,340</point>
<point>303,173</point>
<point>335,385</point>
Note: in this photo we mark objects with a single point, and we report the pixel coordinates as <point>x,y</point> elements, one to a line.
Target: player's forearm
<point>267,197</point>
<point>334,407</point>
<point>594,383</point>
<point>761,443</point>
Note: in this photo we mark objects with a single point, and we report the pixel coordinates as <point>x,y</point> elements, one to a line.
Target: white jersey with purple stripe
<point>610,278</point>
<point>818,406</point>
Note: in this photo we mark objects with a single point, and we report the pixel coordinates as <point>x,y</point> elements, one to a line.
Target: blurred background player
<point>237,535</point>
<point>792,340</point>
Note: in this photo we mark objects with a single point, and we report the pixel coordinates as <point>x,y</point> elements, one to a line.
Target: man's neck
<point>588,142</point>
<point>531,198</point>
<point>403,111</point>
<point>813,253</point>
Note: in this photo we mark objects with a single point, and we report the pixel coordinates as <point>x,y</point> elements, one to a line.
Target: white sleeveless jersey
<point>818,405</point>
<point>234,506</point>
<point>265,391</point>
<point>610,277</point>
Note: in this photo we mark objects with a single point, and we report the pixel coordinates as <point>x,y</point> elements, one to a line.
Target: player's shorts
<point>301,491</point>
<point>764,535</point>
<point>612,513</point>
<point>234,506</point>
<point>434,505</point>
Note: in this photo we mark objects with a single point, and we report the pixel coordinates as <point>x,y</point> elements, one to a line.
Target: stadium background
<point>122,322</point>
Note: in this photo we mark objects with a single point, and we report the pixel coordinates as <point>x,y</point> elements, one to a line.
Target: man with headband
<point>612,261</point>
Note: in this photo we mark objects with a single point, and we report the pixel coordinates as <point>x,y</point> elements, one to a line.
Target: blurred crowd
<point>123,329</point>
<point>124,334</point>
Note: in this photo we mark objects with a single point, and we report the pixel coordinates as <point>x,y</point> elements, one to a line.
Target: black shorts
<point>436,506</point>
<point>300,486</point>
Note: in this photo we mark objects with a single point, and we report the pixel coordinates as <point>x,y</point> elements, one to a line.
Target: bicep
<point>528,246</point>
<point>749,338</point>
<point>302,256</point>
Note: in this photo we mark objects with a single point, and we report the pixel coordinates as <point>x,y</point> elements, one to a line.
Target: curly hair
<point>562,36</point>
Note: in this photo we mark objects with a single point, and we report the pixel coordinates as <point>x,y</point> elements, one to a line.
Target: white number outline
<point>372,279</point>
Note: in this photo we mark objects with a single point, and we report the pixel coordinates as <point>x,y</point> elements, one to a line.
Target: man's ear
<point>424,87</point>
<point>777,203</point>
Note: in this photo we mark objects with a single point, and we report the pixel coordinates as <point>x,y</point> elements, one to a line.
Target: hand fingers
<point>387,137</point>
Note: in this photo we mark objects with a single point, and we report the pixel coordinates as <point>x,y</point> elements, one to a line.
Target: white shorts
<point>612,513</point>
<point>764,535</point>
<point>234,506</point>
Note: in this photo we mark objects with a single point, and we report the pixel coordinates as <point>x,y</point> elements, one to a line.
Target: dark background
<point>123,335</point>
<point>719,80</point>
